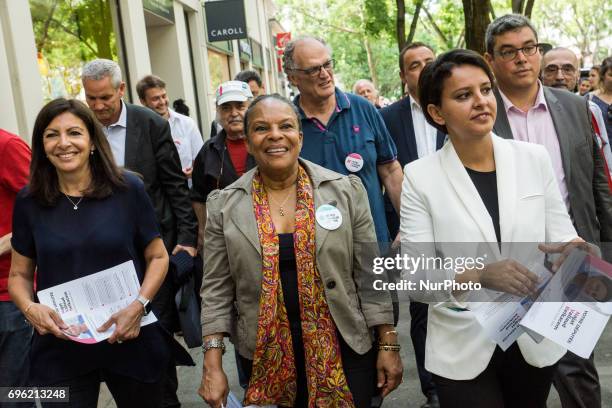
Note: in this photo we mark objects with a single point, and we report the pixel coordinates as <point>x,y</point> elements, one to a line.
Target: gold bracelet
<point>389,347</point>
<point>391,332</point>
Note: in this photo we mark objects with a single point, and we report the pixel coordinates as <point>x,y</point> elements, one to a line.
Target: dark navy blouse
<point>67,244</point>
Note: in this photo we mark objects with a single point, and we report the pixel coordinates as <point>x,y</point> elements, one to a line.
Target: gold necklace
<point>280,205</point>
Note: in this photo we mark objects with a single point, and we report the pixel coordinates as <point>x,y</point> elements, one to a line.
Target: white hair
<point>102,68</point>
<point>363,82</point>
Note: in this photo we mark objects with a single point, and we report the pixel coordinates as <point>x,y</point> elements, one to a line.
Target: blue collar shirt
<point>354,127</point>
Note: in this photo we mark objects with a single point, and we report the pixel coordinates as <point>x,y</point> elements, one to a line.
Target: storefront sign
<point>281,41</point>
<point>225,20</point>
<point>161,8</point>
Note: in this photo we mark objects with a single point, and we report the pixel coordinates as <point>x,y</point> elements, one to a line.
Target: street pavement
<point>408,394</point>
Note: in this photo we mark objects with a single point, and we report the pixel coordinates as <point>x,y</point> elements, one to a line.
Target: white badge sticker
<point>328,217</point>
<point>353,162</point>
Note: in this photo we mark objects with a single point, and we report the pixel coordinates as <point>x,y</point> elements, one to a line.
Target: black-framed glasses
<point>567,69</point>
<point>316,71</point>
<point>508,54</point>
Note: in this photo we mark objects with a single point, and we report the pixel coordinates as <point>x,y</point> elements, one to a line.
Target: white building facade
<point>44,44</point>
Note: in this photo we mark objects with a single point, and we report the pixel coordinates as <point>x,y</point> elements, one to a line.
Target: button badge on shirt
<point>353,162</point>
<point>328,217</point>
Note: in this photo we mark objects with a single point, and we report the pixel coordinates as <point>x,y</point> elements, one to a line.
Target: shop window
<point>69,33</point>
<point>219,69</point>
<point>257,53</point>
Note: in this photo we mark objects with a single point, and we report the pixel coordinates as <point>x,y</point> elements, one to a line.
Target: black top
<point>289,280</point>
<point>213,168</point>
<point>67,244</point>
<point>486,184</point>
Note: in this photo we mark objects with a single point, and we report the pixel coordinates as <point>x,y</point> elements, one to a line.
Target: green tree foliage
<point>348,25</point>
<point>69,33</point>
<point>583,25</point>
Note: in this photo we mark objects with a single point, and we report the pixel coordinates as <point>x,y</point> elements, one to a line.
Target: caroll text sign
<point>225,20</point>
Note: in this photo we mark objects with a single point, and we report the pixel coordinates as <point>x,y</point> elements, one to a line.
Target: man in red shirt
<point>15,331</point>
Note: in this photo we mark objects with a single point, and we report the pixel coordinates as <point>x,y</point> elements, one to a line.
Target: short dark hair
<point>248,76</point>
<point>262,98</point>
<point>411,46</point>
<point>434,75</point>
<point>105,175</point>
<point>181,107</point>
<point>503,24</point>
<point>148,82</point>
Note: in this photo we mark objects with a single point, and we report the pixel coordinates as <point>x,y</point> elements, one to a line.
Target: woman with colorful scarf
<point>285,255</point>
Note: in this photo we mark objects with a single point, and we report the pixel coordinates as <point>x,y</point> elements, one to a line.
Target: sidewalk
<point>408,395</point>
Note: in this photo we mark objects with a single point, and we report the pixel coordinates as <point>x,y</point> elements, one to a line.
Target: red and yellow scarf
<point>273,378</point>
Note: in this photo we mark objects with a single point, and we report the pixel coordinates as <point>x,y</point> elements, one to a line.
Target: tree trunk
<point>371,63</point>
<point>529,8</point>
<point>400,23</point>
<point>415,20</point>
<point>477,18</point>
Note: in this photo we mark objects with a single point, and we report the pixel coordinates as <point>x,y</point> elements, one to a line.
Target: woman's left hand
<point>127,323</point>
<point>389,371</point>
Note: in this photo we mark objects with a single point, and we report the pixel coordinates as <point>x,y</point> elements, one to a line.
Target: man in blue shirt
<point>342,132</point>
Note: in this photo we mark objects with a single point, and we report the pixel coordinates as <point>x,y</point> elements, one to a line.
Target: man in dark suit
<point>414,138</point>
<point>560,121</point>
<point>141,142</point>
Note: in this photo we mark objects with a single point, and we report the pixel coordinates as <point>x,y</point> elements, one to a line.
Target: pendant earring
<point>91,152</point>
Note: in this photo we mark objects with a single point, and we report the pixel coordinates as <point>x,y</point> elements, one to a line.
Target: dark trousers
<point>126,392</point>
<point>165,311</point>
<point>360,372</point>
<point>15,340</point>
<point>507,382</point>
<point>577,382</point>
<point>418,334</point>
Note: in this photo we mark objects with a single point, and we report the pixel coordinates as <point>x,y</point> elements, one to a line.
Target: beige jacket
<point>233,264</point>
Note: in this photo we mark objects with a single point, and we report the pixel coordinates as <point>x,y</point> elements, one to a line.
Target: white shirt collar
<point>122,121</point>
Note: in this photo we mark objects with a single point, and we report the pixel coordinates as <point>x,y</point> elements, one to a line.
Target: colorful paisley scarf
<point>273,378</point>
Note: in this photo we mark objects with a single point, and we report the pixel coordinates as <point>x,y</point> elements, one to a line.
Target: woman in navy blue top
<point>79,215</point>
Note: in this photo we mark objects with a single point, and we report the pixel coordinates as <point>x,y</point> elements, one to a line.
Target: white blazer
<point>440,204</point>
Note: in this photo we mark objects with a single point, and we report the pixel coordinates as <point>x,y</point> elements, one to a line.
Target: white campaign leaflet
<point>501,318</point>
<point>573,325</point>
<point>86,303</point>
<point>575,307</point>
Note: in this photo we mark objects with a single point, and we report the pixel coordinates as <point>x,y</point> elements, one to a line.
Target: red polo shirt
<point>15,156</point>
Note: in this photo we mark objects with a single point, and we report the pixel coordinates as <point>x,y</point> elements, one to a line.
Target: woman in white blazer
<point>480,188</point>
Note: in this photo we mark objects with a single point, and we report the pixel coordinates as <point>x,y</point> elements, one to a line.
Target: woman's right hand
<point>46,320</point>
<point>509,276</point>
<point>214,387</point>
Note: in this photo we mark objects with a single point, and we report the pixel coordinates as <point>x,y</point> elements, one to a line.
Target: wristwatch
<point>146,304</point>
<point>213,343</point>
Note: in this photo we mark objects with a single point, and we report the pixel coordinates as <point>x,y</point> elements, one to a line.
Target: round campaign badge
<point>353,162</point>
<point>328,217</point>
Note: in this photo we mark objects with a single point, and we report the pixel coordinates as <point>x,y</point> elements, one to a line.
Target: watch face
<point>147,308</point>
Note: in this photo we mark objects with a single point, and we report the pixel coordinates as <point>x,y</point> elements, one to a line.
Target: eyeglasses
<point>316,71</point>
<point>508,54</point>
<point>567,69</point>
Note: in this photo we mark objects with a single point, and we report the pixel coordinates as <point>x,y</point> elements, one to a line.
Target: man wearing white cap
<point>224,157</point>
